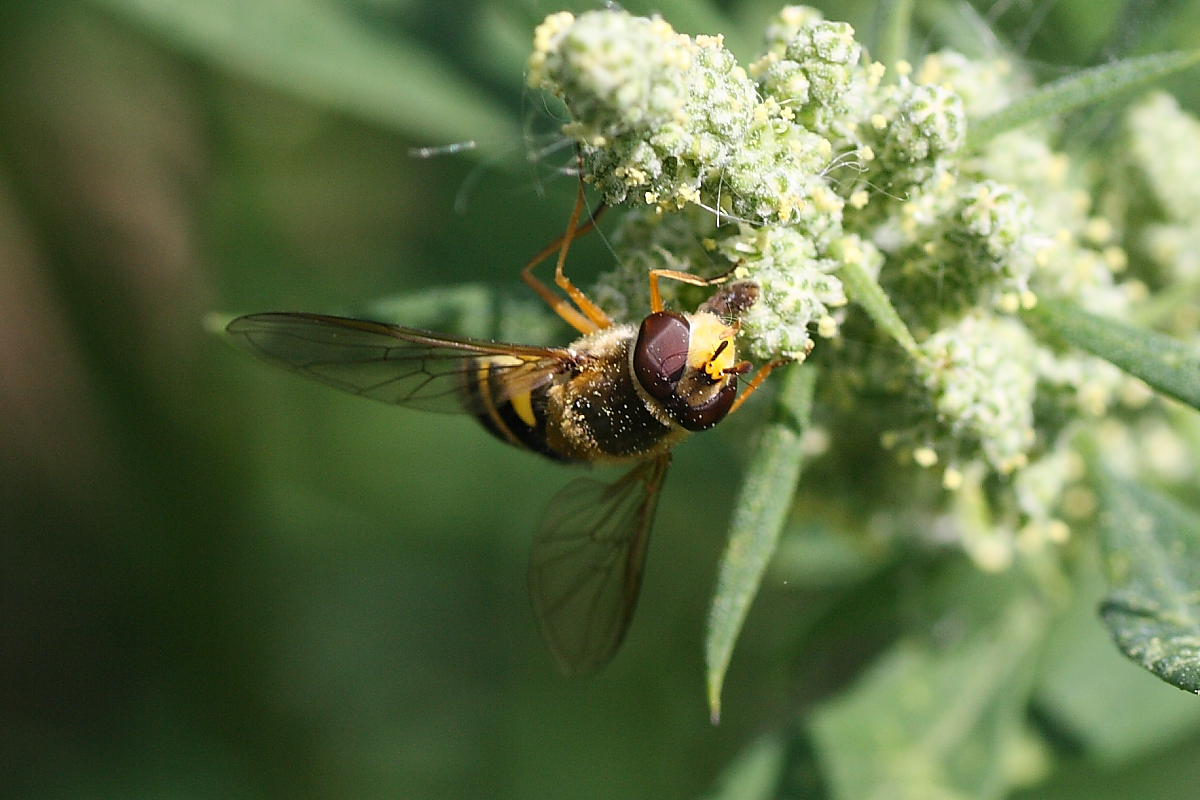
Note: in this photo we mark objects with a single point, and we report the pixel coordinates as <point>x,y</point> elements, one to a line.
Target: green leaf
<point>1097,698</point>
<point>1168,365</point>
<point>754,772</point>
<point>758,517</point>
<point>463,309</point>
<point>812,555</point>
<point>1151,548</point>
<point>936,721</point>
<point>895,22</point>
<point>322,52</point>
<point>1081,89</point>
<point>960,26</point>
<point>863,289</point>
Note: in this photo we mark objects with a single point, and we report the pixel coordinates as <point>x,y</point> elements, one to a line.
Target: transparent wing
<point>585,568</point>
<point>403,366</point>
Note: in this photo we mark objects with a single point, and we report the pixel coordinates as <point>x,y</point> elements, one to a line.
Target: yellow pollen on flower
<point>1057,169</point>
<point>1116,258</point>
<point>860,199</point>
<point>1093,399</point>
<point>554,24</point>
<point>1135,393</point>
<point>925,456</point>
<point>952,479</point>
<point>825,201</point>
<point>1098,230</point>
<point>661,27</point>
<point>1013,463</point>
<point>1078,502</point>
<point>875,73</point>
<point>991,554</point>
<point>931,69</point>
<point>794,16</point>
<point>1058,531</point>
<point>851,251</point>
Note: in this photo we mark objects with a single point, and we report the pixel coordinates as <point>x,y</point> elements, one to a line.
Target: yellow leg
<point>757,381</point>
<point>656,302</point>
<point>585,316</point>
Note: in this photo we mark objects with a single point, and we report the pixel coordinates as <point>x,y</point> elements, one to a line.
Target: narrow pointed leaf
<point>758,517</point>
<point>1168,365</point>
<point>1079,90</point>
<point>863,289</point>
<point>323,53</point>
<point>1151,548</point>
<point>895,22</point>
<point>960,26</point>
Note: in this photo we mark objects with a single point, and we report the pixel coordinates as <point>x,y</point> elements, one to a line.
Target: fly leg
<point>584,315</point>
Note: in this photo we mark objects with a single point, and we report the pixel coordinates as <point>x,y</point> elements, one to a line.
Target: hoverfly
<point>618,394</point>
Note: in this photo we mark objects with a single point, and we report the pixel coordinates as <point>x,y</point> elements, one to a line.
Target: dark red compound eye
<point>703,417</point>
<point>660,353</point>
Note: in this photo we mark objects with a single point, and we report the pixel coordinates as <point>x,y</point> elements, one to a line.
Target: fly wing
<point>585,567</point>
<point>402,366</point>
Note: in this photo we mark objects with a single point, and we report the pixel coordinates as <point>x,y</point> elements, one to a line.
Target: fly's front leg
<point>656,302</point>
<point>757,381</point>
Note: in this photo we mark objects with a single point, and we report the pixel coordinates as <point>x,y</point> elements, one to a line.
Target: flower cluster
<point>1163,152</point>
<point>814,164</point>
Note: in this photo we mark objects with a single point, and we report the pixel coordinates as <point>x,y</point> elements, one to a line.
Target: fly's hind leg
<point>585,316</point>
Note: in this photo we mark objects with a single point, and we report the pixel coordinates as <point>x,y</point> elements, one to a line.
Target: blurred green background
<point>218,580</point>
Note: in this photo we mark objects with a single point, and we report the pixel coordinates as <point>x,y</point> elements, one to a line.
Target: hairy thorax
<point>601,414</point>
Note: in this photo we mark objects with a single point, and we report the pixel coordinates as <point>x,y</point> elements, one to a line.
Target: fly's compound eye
<point>661,353</point>
<point>709,413</point>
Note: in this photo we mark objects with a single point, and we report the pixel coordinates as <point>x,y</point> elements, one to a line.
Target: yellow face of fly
<point>710,348</point>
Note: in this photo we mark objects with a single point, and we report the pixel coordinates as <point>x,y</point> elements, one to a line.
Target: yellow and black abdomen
<point>595,414</point>
<point>519,419</point>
